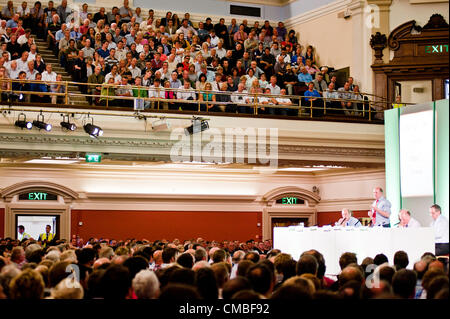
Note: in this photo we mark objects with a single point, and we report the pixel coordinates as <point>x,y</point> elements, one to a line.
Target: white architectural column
<point>362,56</point>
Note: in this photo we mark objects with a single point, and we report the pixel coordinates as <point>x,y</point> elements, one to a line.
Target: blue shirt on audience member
<point>312,93</point>
<point>305,77</point>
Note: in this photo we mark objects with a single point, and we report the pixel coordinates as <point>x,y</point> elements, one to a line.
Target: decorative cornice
<point>314,14</point>
<point>401,32</point>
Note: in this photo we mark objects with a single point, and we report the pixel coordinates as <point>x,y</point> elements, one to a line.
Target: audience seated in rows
<point>143,50</point>
<point>209,270</point>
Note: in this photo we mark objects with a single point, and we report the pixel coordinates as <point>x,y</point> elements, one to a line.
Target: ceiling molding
<point>316,13</point>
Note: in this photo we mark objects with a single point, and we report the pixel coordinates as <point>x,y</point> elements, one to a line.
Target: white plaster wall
<point>403,11</point>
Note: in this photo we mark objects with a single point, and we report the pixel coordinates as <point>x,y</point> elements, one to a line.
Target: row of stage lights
<point>89,128</point>
<point>198,125</point>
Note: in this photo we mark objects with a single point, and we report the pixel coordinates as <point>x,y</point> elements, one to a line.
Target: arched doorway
<point>38,198</point>
<point>285,205</point>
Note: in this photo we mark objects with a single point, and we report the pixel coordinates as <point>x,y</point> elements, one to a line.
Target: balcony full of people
<point>200,66</point>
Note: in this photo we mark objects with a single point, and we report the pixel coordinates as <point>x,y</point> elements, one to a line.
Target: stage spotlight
<point>196,127</point>
<point>93,130</point>
<point>23,123</point>
<point>67,125</point>
<point>40,124</point>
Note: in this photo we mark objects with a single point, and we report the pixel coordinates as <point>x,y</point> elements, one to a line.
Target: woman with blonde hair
<point>208,97</point>
<point>205,50</point>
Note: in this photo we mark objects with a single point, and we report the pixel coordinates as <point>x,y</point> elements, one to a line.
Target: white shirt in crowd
<point>49,77</point>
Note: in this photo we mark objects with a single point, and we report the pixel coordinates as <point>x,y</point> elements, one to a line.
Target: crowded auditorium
<point>290,149</point>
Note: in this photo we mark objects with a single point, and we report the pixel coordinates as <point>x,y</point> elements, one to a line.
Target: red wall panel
<point>153,225</point>
<point>326,218</point>
<point>2,222</point>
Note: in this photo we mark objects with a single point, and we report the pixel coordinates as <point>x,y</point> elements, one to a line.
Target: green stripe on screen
<point>392,161</point>
<point>442,156</point>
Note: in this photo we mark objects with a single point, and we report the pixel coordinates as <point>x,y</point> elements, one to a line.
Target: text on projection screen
<point>416,154</point>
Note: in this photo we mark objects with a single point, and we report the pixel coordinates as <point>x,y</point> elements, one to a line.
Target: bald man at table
<point>348,219</point>
<point>406,220</point>
<point>380,210</point>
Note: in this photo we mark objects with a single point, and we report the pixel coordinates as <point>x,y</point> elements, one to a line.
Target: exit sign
<point>290,200</point>
<point>436,49</point>
<point>93,158</point>
<point>38,196</point>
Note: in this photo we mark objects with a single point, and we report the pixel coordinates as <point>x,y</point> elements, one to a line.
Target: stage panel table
<point>365,242</point>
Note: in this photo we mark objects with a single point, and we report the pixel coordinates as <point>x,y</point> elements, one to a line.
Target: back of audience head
<point>380,259</point>
<point>27,285</point>
<point>205,281</point>
<point>179,292</point>
<point>401,260</point>
<point>261,279</point>
<point>115,282</point>
<point>307,264</point>
<point>221,272</point>
<point>352,272</point>
<point>437,284</point>
<point>235,285</point>
<point>146,284</point>
<point>404,283</point>
<point>253,256</point>
<point>347,259</point>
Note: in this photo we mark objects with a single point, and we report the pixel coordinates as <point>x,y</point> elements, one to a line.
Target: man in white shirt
<point>88,50</point>
<point>32,54</point>
<point>116,76</point>
<point>30,71</point>
<point>187,94</point>
<point>185,28</point>
<point>24,37</point>
<point>22,63</point>
<point>283,101</point>
<point>48,75</point>
<point>240,98</point>
<point>13,70</point>
<point>214,38</point>
<point>440,227</point>
<point>135,71</point>
<point>121,52</point>
<point>274,88</point>
<point>406,220</point>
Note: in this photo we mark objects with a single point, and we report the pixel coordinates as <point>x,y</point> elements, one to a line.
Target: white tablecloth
<point>332,242</point>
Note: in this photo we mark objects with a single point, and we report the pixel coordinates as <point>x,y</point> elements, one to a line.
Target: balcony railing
<point>19,92</point>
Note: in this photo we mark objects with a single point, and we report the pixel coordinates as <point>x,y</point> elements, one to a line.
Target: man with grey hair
<point>347,219</point>
<point>53,255</point>
<point>106,252</point>
<point>238,255</point>
<point>406,220</point>
<point>146,285</point>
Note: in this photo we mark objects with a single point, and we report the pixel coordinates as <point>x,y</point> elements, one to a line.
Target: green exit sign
<point>290,200</point>
<point>93,158</point>
<point>433,49</point>
<point>38,196</point>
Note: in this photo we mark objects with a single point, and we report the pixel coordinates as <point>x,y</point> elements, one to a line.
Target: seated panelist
<point>347,219</point>
<point>406,220</point>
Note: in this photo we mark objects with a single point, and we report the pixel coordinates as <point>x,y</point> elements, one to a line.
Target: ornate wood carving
<point>420,53</point>
<point>378,42</point>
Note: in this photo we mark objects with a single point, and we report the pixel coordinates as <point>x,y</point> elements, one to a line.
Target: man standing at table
<point>348,219</point>
<point>381,209</point>
<point>406,220</point>
<point>440,227</point>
